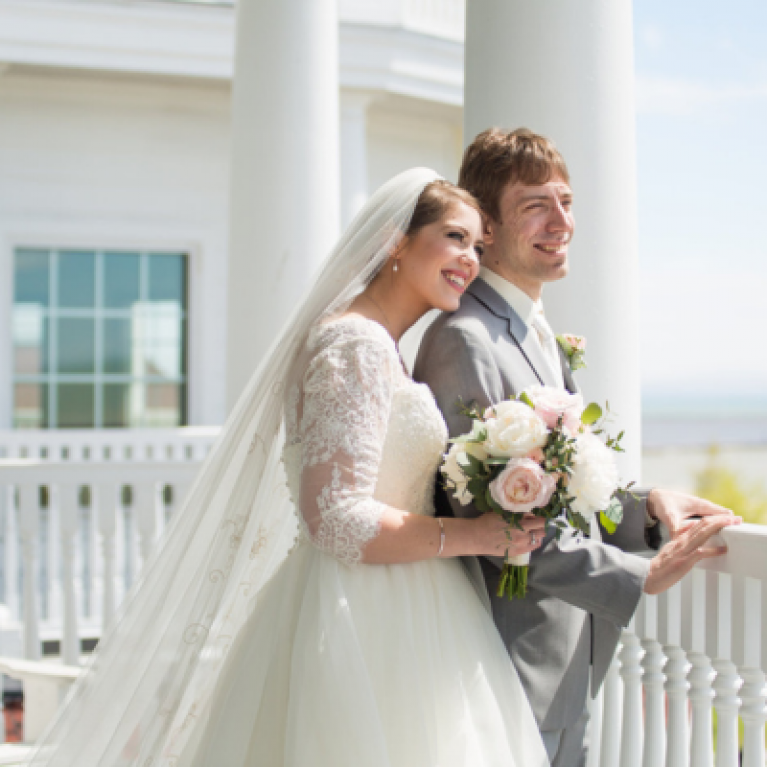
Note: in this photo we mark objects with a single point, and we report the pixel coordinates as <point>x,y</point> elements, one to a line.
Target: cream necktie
<point>548,344</point>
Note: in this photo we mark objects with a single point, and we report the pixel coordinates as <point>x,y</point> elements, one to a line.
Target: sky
<point>701,89</point>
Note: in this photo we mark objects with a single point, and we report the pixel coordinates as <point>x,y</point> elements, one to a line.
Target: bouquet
<point>544,453</point>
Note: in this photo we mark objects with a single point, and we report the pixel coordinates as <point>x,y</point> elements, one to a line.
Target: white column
<point>284,176</point>
<point>565,69</point>
<point>354,153</point>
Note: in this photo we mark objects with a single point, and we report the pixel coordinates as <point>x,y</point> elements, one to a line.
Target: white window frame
<point>66,240</point>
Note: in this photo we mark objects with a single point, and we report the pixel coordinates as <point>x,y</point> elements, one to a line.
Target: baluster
<point>29,530</point>
<point>727,682</point>
<point>677,730</point>
<point>611,720</point>
<point>631,673</point>
<point>595,707</point>
<point>106,499</point>
<point>655,735</point>
<point>69,521</point>
<point>145,508</point>
<point>701,676</point>
<point>12,546</point>
<point>754,691</point>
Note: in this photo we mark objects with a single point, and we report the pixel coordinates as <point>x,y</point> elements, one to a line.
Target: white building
<point>114,189</point>
<point>122,219</point>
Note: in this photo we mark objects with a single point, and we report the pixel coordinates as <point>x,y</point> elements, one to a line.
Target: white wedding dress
<point>344,664</point>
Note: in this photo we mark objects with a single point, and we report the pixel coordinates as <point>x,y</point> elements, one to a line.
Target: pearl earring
<point>396,266</point>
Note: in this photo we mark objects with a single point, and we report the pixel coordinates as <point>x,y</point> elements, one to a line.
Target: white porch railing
<point>79,512</point>
<point>82,532</point>
<point>701,644</point>
<point>190,443</point>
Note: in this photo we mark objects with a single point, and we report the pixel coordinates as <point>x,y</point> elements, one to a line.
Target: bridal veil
<point>146,689</point>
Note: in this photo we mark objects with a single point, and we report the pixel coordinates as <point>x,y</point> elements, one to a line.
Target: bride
<point>305,608</point>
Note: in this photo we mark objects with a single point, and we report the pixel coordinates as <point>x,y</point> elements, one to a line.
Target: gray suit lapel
<point>518,330</point>
<point>570,384</point>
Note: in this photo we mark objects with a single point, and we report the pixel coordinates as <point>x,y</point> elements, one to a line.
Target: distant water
<point>699,420</point>
<point>668,432</point>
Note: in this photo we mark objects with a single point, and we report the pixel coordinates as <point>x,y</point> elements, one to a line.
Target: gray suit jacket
<point>581,591</point>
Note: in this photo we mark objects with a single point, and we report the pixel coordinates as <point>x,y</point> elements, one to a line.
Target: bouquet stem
<point>513,582</point>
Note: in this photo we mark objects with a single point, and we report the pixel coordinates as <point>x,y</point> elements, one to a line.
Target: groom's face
<point>530,242</point>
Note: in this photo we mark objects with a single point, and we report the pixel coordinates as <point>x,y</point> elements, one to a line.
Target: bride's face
<point>442,258</point>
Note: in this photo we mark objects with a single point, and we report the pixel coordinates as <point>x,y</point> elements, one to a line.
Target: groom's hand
<point>674,509</point>
<point>681,554</point>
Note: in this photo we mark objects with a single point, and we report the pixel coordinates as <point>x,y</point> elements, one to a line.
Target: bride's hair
<point>436,201</point>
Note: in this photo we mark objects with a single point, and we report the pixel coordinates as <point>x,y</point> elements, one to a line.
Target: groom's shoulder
<point>470,319</point>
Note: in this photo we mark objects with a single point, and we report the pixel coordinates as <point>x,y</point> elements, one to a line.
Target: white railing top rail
<point>189,443</point>
<point>34,472</point>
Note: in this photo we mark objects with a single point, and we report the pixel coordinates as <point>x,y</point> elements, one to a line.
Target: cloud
<point>682,97</point>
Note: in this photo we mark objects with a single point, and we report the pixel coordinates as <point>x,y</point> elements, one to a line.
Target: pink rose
<point>522,486</point>
<point>551,403</point>
<point>578,343</point>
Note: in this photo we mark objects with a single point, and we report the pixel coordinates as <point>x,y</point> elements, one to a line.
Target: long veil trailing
<point>146,689</point>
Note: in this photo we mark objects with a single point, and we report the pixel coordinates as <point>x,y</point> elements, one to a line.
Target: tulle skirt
<point>371,666</point>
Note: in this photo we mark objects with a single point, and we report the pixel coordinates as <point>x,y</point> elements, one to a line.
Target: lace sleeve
<point>347,393</point>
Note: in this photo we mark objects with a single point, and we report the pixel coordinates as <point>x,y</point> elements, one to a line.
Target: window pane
<point>117,404</point>
<point>31,277</point>
<point>167,278</point>
<point>117,346</point>
<point>30,339</point>
<point>77,279</point>
<point>30,406</point>
<point>75,345</point>
<point>121,280</point>
<point>75,406</point>
<point>158,340</point>
<point>164,405</point>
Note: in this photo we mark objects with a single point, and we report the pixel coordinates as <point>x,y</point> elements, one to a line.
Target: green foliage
<point>591,414</point>
<point>720,484</point>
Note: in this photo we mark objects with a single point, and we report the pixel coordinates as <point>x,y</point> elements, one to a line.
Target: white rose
<point>513,430</point>
<point>595,476</point>
<point>451,468</point>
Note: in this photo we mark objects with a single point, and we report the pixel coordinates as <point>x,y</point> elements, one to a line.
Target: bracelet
<point>441,536</point>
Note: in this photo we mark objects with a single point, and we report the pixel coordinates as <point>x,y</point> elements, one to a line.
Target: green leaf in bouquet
<point>614,512</point>
<point>481,503</point>
<point>579,522</point>
<point>477,487</point>
<point>477,465</point>
<point>525,397</point>
<point>591,414</point>
<point>608,524</point>
<point>467,467</point>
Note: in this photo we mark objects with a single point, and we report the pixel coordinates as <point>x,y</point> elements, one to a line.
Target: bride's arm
<point>347,394</point>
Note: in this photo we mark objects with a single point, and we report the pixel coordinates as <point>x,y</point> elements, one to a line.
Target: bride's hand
<point>494,536</point>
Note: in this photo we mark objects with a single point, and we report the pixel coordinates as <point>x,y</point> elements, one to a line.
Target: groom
<point>581,590</point>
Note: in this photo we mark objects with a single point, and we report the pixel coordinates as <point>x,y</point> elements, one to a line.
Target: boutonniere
<point>575,349</point>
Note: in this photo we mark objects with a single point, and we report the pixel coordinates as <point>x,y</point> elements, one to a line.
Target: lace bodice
<point>361,436</point>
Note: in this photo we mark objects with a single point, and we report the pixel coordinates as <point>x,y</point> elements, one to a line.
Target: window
<point>99,339</point>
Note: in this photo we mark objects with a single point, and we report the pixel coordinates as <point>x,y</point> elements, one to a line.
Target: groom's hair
<point>499,157</point>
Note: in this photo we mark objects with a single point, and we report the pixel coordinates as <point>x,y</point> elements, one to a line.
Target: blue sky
<point>702,153</point>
